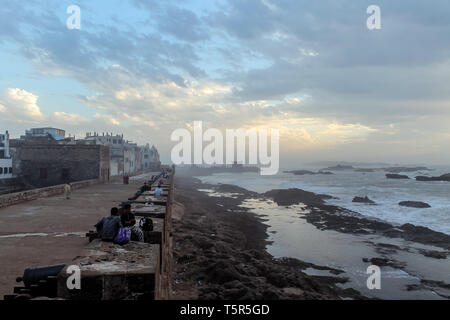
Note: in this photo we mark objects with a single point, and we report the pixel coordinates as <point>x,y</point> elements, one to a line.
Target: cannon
<point>38,282</point>
<point>35,275</point>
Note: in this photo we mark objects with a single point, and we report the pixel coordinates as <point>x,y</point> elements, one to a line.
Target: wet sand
<point>326,245</point>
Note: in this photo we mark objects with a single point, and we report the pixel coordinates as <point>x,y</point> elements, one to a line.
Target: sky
<point>312,69</point>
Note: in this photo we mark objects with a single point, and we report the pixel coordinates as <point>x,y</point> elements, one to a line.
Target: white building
<point>5,157</point>
<point>129,154</point>
<point>150,158</point>
<point>126,157</point>
<point>116,146</point>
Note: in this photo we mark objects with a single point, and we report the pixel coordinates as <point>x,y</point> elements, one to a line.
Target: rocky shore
<point>220,247</point>
<point>325,217</point>
<point>221,255</point>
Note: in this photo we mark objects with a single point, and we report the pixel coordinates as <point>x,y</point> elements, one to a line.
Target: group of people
<point>108,227</point>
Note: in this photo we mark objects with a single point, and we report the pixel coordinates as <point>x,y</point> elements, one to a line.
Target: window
<point>10,169</point>
<point>43,173</point>
<point>65,173</point>
<point>1,170</point>
<point>5,170</point>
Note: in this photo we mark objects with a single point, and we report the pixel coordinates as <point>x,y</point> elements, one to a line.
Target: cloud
<point>310,68</point>
<point>68,118</point>
<point>109,119</point>
<point>20,105</point>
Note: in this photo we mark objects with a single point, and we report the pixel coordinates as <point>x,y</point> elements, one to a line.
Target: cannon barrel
<point>34,275</point>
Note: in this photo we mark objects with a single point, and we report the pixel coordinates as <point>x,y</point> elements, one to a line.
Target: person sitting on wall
<point>129,221</point>
<point>160,183</point>
<point>146,187</point>
<point>108,227</point>
<point>158,192</point>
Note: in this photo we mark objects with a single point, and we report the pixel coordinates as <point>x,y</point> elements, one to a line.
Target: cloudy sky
<point>312,69</point>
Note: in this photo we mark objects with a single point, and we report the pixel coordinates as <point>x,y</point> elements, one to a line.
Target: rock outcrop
<point>414,204</point>
<point>303,172</point>
<point>363,200</point>
<point>405,169</point>
<point>365,170</point>
<point>287,197</point>
<point>396,176</point>
<point>444,177</point>
<point>339,167</point>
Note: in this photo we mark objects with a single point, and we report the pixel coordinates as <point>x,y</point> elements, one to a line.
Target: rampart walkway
<point>52,230</point>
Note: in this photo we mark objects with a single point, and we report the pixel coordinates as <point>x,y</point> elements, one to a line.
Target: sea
<point>346,184</point>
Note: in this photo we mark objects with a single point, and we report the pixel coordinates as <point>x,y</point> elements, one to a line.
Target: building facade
<point>52,164</point>
<point>45,156</point>
<point>6,168</point>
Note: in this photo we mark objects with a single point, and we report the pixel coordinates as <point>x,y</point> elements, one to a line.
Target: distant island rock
<point>303,172</point>
<point>396,169</point>
<point>339,167</point>
<point>414,204</point>
<point>364,170</point>
<point>207,171</point>
<point>396,176</point>
<point>405,169</point>
<point>444,177</point>
<point>363,200</point>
